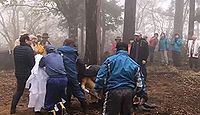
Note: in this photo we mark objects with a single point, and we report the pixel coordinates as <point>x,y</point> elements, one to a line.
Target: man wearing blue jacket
<point>177,44</point>
<point>57,82</point>
<point>163,48</point>
<point>120,76</point>
<point>70,56</point>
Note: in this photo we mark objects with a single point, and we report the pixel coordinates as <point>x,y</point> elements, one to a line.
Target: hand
<point>143,62</point>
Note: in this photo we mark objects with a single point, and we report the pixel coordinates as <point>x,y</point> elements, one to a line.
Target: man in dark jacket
<point>120,76</point>
<point>57,82</point>
<point>70,54</point>
<point>24,62</point>
<point>140,52</point>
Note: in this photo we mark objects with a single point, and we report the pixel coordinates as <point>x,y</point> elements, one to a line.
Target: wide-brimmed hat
<point>45,35</point>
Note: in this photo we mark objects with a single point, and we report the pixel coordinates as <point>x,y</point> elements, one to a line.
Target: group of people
<point>52,77</point>
<point>170,49</point>
<point>50,74</point>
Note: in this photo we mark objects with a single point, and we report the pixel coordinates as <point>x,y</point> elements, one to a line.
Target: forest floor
<point>174,91</point>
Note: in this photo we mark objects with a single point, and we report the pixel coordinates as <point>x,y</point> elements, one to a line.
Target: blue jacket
<point>54,64</point>
<point>70,58</point>
<point>177,44</point>
<point>163,44</point>
<point>119,71</point>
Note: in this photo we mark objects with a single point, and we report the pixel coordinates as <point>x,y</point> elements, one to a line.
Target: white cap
<point>137,34</point>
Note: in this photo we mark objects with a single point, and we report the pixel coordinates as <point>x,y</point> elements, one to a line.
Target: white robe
<point>37,81</point>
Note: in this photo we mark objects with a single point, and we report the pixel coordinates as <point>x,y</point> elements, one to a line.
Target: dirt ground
<point>174,91</point>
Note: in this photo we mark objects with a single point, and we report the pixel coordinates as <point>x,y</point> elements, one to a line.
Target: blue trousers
<point>75,90</point>
<point>55,91</point>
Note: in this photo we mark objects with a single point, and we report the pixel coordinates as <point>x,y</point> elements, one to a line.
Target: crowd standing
<point>52,76</point>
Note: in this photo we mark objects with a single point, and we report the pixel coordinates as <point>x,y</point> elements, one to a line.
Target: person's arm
<point>42,62</point>
<point>139,80</point>
<point>145,51</point>
<point>179,42</point>
<point>102,73</point>
<point>31,57</point>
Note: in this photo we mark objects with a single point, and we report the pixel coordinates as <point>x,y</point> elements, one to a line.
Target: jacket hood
<point>67,49</point>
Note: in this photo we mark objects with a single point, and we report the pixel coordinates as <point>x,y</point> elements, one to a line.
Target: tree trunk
<point>103,41</point>
<point>92,12</point>
<point>73,30</point>
<point>129,20</point>
<point>178,18</point>
<point>191,19</point>
<point>82,40</point>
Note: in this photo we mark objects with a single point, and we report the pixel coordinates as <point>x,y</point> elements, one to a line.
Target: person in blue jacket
<point>57,82</point>
<point>163,48</point>
<point>177,44</point>
<point>70,56</point>
<point>119,77</point>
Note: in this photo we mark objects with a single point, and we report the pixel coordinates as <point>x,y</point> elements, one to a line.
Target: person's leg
<point>52,94</point>
<point>178,59</point>
<point>162,57</point>
<point>174,58</point>
<point>77,92</point>
<point>166,57</point>
<point>151,54</point>
<point>127,102</point>
<point>112,104</point>
<point>21,82</point>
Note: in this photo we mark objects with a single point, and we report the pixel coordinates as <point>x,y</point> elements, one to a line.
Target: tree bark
<point>178,18</point>
<point>82,40</point>
<point>92,11</point>
<point>129,20</point>
<point>191,19</point>
<point>103,41</point>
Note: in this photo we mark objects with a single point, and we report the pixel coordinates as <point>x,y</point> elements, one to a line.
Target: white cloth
<point>197,48</point>
<point>193,48</point>
<point>37,81</point>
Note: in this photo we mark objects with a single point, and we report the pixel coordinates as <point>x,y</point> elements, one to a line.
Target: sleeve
<point>31,58</point>
<point>42,62</point>
<point>102,73</point>
<point>146,50</point>
<point>139,78</point>
<point>132,50</point>
<point>179,42</point>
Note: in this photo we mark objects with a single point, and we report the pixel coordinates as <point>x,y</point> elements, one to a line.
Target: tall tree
<point>178,18</point>
<point>129,20</point>
<point>92,15</point>
<point>191,19</point>
<point>110,19</point>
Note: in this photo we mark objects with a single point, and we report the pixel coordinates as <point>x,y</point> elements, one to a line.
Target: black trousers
<point>21,82</point>
<point>176,56</point>
<point>118,101</point>
<point>194,63</point>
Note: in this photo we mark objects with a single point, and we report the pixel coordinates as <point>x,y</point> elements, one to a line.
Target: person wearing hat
<point>57,81</point>
<point>117,40</point>
<point>119,77</point>
<point>139,53</point>
<point>45,39</point>
<point>24,62</point>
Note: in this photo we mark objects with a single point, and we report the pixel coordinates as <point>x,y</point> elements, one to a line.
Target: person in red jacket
<point>152,45</point>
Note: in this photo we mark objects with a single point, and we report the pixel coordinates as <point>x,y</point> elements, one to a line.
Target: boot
<point>13,111</point>
<point>150,106</point>
<point>143,109</point>
<point>84,106</point>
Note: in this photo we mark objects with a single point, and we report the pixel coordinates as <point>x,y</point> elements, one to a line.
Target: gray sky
<point>165,3</point>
